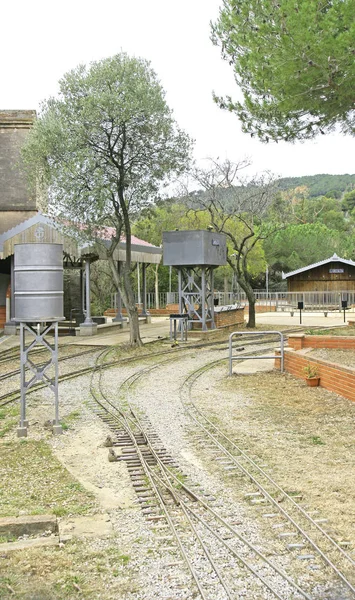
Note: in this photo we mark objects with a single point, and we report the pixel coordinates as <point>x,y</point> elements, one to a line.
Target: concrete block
<point>21,432</point>
<point>28,525</point>
<point>88,329</point>
<point>31,543</point>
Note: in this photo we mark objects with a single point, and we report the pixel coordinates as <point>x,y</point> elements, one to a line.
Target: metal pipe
<point>144,290</point>
<point>88,319</point>
<point>238,333</point>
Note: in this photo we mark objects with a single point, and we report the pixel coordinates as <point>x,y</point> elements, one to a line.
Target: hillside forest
<point>271,225</point>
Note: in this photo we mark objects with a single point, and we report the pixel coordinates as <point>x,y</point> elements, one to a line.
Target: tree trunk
<point>135,338</point>
<point>251,320</point>
<point>124,286</point>
<point>251,301</point>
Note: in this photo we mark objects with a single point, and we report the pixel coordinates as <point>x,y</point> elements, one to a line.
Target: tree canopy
<point>299,245</point>
<point>102,150</point>
<point>294,64</point>
<point>255,211</point>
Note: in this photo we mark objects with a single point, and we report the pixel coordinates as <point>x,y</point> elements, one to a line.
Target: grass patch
<point>9,417</point>
<point>78,570</point>
<point>34,482</point>
<point>316,440</point>
<point>70,419</point>
<point>9,425</point>
<point>336,331</point>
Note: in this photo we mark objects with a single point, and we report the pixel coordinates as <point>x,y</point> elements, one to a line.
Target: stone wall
<point>14,128</point>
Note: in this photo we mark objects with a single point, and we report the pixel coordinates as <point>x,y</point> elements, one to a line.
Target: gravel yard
<point>304,436</point>
<point>346,358</point>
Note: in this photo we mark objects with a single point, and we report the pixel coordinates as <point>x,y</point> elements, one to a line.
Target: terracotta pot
<point>312,381</point>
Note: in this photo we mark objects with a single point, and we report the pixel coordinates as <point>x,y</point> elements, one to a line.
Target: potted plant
<point>312,375</point>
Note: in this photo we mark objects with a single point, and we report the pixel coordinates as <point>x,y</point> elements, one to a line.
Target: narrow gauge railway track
<point>60,359</point>
<point>14,354</point>
<point>14,395</point>
<point>298,528</point>
<point>218,557</point>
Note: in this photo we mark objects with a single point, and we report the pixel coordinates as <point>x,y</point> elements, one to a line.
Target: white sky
<point>41,40</point>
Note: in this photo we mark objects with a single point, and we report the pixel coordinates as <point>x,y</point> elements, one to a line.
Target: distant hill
<point>332,186</point>
<point>320,185</point>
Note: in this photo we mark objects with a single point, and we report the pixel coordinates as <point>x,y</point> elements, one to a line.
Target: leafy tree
<point>293,61</point>
<point>102,150</point>
<point>255,212</point>
<point>348,203</point>
<point>297,246</point>
<point>319,210</point>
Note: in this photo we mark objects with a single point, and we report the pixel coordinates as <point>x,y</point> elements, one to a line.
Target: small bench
<point>351,322</point>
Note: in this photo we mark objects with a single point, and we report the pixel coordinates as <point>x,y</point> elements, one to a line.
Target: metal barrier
<point>238,333</point>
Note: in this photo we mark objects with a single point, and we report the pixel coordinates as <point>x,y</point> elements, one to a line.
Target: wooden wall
<point>320,279</point>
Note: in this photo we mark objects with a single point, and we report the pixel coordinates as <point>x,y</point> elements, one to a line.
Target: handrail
<point>239,333</point>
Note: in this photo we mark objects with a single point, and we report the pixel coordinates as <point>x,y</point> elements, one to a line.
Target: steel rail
<point>147,470</point>
<point>129,383</point>
<point>60,359</point>
<point>84,371</point>
<point>272,481</point>
<point>203,344</point>
<point>15,394</point>
<point>263,490</point>
<point>225,523</point>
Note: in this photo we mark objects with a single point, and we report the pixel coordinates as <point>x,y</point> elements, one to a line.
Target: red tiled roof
<point>107,233</point>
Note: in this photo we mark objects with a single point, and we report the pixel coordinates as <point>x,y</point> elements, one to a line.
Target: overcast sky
<point>41,40</point>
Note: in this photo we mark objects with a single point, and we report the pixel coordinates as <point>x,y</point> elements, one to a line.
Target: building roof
<point>334,258</point>
<point>39,228</point>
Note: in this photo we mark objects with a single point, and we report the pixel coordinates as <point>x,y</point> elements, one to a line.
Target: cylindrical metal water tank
<point>38,275</point>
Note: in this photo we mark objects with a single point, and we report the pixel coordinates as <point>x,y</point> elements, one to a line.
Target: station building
<point>333,274</point>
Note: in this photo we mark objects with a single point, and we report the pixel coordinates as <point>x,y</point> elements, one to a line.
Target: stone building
<point>16,204</point>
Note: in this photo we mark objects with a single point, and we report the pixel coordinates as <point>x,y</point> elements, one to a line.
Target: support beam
<point>144,290</point>
<point>88,319</point>
<point>38,372</point>
<point>196,295</point>
<point>88,327</point>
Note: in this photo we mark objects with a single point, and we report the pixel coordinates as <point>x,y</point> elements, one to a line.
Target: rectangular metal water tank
<point>194,248</point>
<point>38,279</point>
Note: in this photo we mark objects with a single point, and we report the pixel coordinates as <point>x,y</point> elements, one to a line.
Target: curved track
<point>305,532</point>
<point>189,515</point>
<point>225,556</point>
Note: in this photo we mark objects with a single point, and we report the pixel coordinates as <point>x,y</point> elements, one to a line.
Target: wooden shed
<point>334,274</point>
